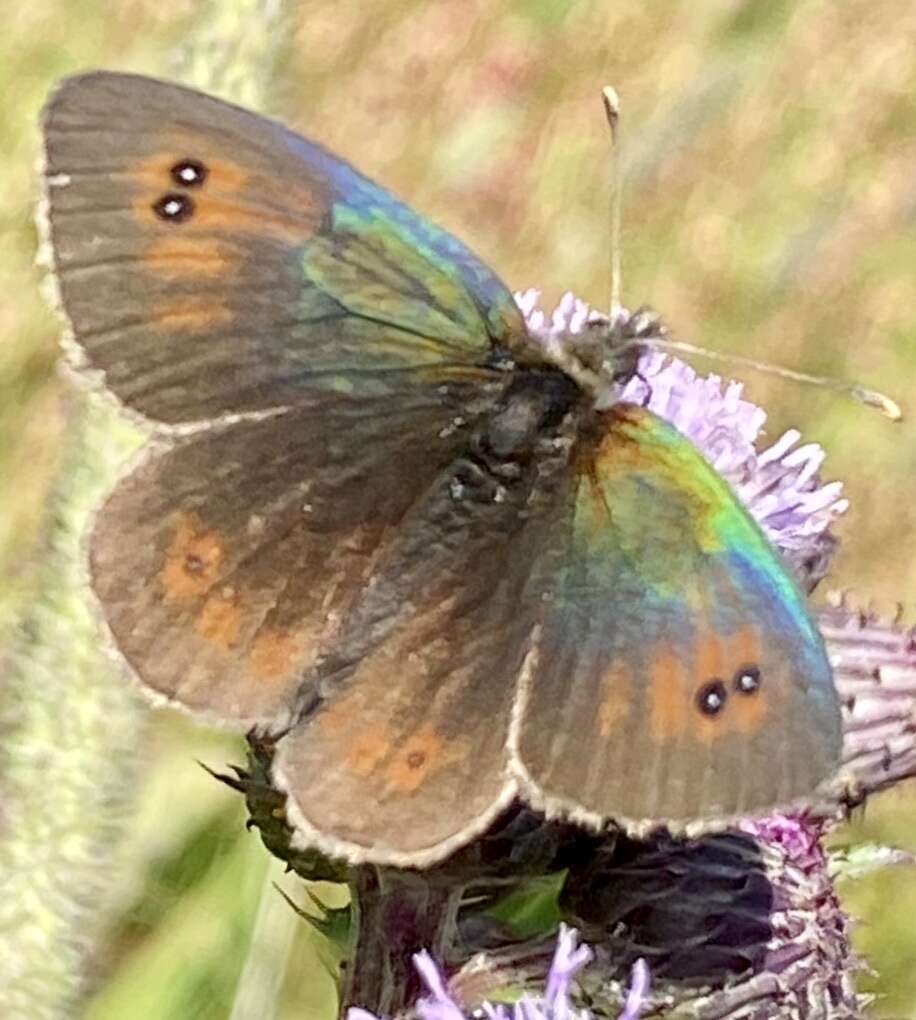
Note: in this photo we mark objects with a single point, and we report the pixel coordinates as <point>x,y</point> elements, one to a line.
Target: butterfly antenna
<point>612,111</point>
<point>871,398</point>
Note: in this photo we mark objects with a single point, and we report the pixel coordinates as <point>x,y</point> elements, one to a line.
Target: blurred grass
<point>770,208</point>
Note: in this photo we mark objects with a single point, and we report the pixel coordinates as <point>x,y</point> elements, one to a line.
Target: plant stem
<point>72,739</point>
<point>395,914</point>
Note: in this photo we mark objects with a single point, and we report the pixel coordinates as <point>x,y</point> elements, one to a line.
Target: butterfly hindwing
<point>225,559</point>
<point>212,262</point>
<point>676,674</point>
<point>405,756</point>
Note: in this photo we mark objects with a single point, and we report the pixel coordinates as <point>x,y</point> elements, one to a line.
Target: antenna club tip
<point>889,408</point>
<point>611,103</point>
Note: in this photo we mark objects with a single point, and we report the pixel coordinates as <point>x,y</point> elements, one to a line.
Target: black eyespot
<point>747,679</point>
<point>189,173</point>
<point>174,208</point>
<point>711,697</point>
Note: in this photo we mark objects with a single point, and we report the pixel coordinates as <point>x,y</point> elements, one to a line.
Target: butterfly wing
<point>677,673</point>
<point>404,756</point>
<point>212,262</point>
<point>225,560</point>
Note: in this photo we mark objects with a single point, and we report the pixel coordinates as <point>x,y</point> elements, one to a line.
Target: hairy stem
<point>72,725</point>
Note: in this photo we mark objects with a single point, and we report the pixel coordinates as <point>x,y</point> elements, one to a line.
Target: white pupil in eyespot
<point>747,682</point>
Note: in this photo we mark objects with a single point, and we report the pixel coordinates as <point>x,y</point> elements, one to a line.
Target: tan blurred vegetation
<point>770,151</point>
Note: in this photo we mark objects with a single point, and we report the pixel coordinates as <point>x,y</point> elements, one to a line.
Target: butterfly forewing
<point>677,674</point>
<point>212,262</point>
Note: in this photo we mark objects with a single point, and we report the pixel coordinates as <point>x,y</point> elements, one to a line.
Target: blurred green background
<point>770,155</point>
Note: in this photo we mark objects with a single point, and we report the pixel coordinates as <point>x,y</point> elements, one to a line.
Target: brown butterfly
<point>377,518</point>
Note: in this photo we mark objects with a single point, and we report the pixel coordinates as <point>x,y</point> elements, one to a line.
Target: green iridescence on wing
<point>381,270</point>
<point>405,248</point>
<point>652,507</point>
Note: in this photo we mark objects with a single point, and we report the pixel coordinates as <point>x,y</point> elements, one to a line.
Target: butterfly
<point>378,521</point>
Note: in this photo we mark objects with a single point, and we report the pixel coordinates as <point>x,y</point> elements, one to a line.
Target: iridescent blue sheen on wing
<point>661,521</point>
<point>429,281</point>
<point>286,276</point>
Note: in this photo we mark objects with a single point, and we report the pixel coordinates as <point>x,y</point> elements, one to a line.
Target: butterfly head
<point>622,340</point>
<point>601,353</point>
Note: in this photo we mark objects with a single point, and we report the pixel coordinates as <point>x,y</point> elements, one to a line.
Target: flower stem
<point>395,914</point>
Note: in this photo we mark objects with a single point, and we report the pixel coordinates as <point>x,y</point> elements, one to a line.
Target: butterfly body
<point>378,517</point>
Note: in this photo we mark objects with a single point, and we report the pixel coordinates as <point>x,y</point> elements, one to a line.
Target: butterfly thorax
<point>585,371</point>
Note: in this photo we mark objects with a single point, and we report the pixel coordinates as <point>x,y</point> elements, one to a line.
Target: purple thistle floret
<point>568,960</point>
<point>797,835</point>
<point>779,484</point>
<point>638,992</point>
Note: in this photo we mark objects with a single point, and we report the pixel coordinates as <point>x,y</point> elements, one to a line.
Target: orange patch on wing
<point>367,750</point>
<point>235,214</point>
<point>220,621</point>
<point>398,764</point>
<point>339,711</point>
<point>423,755</point>
<point>193,559</point>
<point>275,653</point>
<point>720,657</point>
<point>670,694</point>
<point>616,692</point>
<point>710,660</point>
<point>155,172</point>
<point>229,216</point>
<point>748,710</point>
<point>193,315</point>
<point>232,198</point>
<point>178,255</point>
<point>365,742</point>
